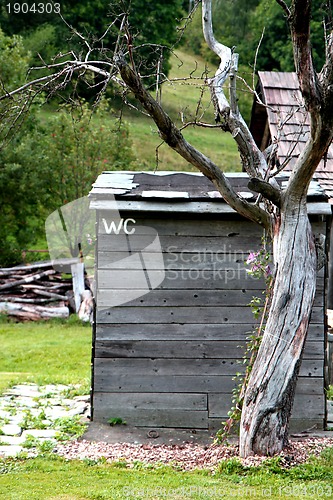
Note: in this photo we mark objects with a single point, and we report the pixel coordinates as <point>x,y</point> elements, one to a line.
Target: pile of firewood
<point>35,292</point>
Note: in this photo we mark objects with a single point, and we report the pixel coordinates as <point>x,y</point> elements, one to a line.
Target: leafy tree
<point>193,34</point>
<point>21,193</point>
<point>276,51</point>
<point>148,18</point>
<point>242,24</point>
<point>14,61</point>
<point>92,20</point>
<point>42,43</point>
<point>19,204</point>
<point>78,148</point>
<point>50,162</point>
<point>231,21</point>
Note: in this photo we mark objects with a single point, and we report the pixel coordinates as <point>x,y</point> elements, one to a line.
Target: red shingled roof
<point>284,106</point>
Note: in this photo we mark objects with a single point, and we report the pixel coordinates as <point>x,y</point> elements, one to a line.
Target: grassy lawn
<point>179,97</point>
<point>59,352</point>
<point>43,353</point>
<point>219,146</point>
<point>54,478</point>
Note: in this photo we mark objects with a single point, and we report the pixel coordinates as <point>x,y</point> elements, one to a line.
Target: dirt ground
<point>147,435</point>
<point>97,432</point>
<point>188,449</point>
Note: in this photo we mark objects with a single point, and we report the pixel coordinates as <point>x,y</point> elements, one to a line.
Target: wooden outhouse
<point>172,295</point>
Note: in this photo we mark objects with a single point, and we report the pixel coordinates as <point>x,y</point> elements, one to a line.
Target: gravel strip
<point>186,456</point>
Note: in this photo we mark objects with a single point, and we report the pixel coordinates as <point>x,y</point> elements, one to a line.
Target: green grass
<point>219,146</point>
<point>45,352</point>
<point>329,393</point>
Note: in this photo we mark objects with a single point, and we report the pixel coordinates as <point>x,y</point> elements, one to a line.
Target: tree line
<point>245,25</point>
<point>52,154</point>
<point>257,26</point>
<point>48,163</point>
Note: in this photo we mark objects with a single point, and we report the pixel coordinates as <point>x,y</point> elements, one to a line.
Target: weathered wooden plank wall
<point>168,358</point>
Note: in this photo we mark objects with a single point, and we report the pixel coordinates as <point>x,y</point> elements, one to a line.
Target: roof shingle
<point>288,122</point>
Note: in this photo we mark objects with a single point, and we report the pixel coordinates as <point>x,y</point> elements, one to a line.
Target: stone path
<point>32,414</point>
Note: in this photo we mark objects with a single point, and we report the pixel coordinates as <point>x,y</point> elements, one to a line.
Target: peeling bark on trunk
<point>270,392</point>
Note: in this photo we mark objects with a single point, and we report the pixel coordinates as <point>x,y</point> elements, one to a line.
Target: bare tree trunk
<point>270,392</point>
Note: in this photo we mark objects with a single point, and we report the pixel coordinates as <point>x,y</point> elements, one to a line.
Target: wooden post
<point>78,283</point>
<point>78,280</point>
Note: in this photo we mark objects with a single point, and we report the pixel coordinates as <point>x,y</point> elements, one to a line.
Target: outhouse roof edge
<point>190,187</point>
<point>199,207</point>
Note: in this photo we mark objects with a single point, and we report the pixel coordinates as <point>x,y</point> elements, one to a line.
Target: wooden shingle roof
<point>181,192</point>
<point>284,118</point>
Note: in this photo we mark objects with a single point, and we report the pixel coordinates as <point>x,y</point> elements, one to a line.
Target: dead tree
<point>283,212</point>
<point>270,391</point>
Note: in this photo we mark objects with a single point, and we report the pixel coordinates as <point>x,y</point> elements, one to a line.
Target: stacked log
<point>34,292</point>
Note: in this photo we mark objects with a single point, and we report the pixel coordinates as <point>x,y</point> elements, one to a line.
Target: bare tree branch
<point>300,17</point>
<point>223,52</point>
<point>318,96</point>
<point>19,90</point>
<point>173,137</point>
<point>326,74</point>
<point>252,158</point>
<point>284,6</point>
<point>266,189</point>
<point>256,58</point>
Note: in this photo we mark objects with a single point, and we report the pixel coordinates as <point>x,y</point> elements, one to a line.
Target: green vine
<point>259,267</point>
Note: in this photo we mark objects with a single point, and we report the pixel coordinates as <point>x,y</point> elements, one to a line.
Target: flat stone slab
<point>5,414</point>
<point>26,402</point>
<point>12,440</point>
<point>50,401</point>
<point>10,451</point>
<point>25,390</point>
<point>11,430</point>
<point>53,389</point>
<point>78,409</point>
<point>39,433</point>
<point>56,412</point>
<point>16,419</point>
<point>86,398</point>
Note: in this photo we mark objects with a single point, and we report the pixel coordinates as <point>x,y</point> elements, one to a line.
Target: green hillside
<point>181,97</point>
